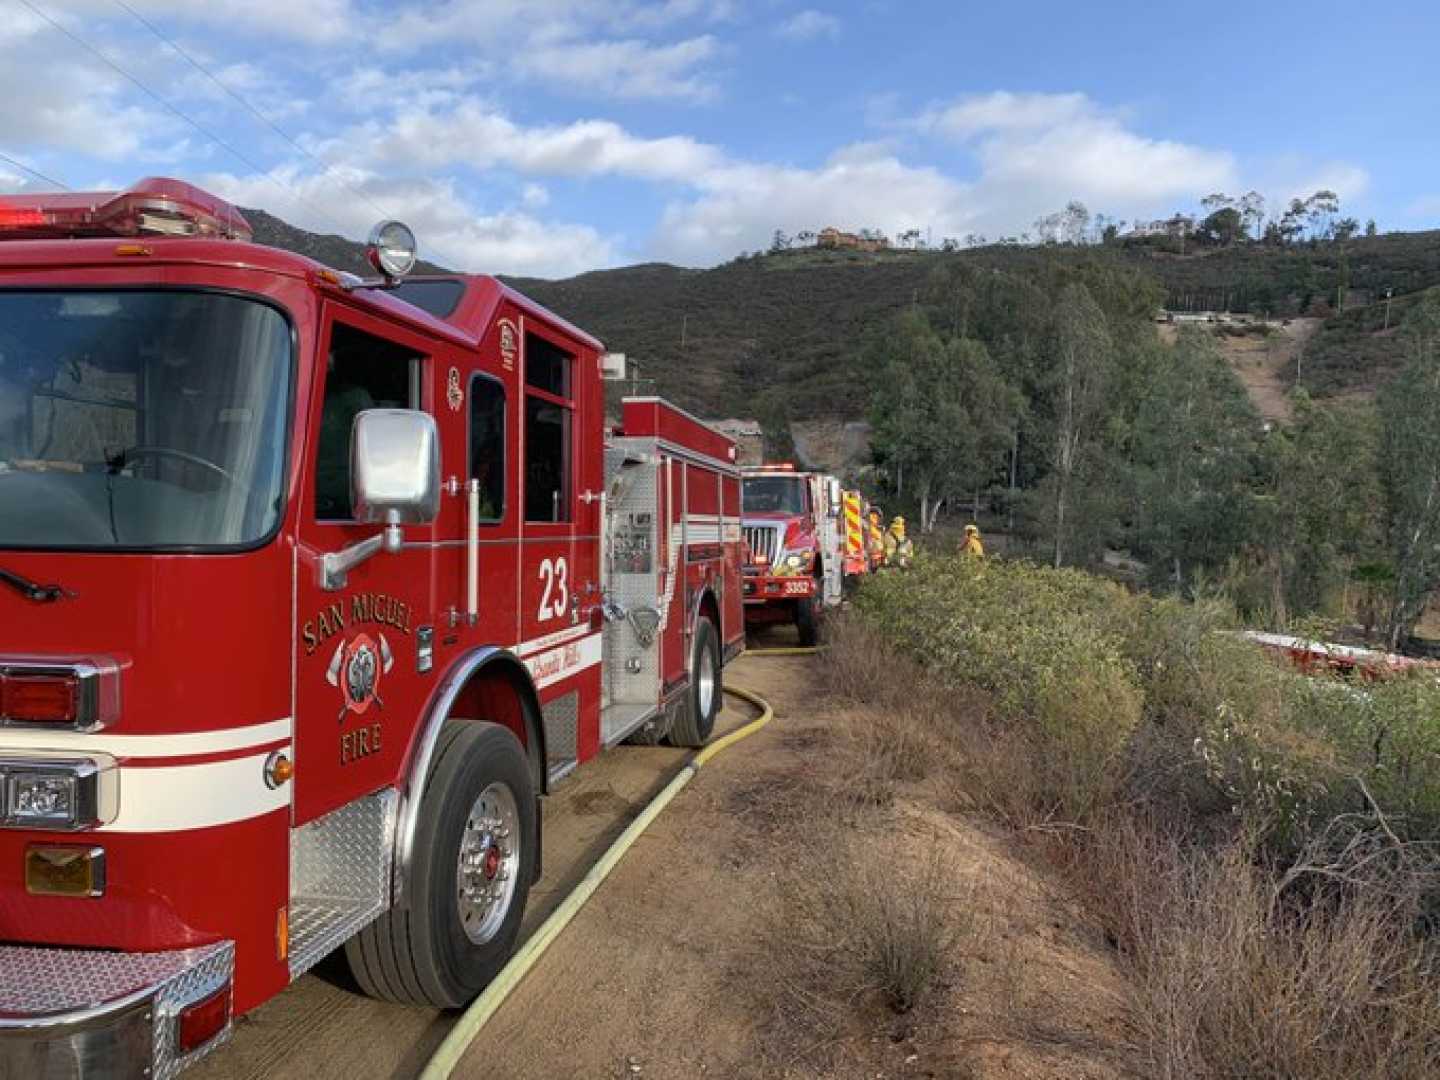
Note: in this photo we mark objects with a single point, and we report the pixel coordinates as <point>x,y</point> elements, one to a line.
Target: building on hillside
<point>1179,226</point>
<point>831,237</point>
<point>749,439</point>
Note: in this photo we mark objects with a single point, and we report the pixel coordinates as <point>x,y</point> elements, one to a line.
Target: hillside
<point>775,336</point>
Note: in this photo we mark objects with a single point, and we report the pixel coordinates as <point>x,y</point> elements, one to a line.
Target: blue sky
<point>555,136</point>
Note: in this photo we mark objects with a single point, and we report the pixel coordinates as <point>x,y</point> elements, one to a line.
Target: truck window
<point>141,418</point>
<point>549,418</point>
<point>487,444</point>
<point>362,372</point>
<point>773,495</point>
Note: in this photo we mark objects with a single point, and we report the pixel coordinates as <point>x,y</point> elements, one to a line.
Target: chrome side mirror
<point>394,481</point>
<point>395,467</point>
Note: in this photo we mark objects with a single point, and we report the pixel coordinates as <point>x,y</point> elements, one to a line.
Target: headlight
<point>56,794</point>
<point>795,562</point>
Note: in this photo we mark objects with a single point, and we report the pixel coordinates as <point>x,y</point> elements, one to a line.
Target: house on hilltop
<point>831,237</point>
<point>1179,226</point>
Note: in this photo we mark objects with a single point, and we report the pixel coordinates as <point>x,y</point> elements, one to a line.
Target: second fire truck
<point>309,588</point>
<point>794,539</point>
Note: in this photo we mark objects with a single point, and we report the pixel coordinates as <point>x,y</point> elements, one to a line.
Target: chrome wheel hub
<point>488,863</point>
<point>705,683</point>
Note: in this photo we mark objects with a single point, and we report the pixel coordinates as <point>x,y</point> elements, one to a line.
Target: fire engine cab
<point>309,588</point>
<point>793,539</point>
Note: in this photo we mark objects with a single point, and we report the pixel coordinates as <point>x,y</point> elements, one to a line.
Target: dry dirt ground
<point>675,969</point>
<point>322,1027</point>
<point>680,967</point>
<point>1266,365</point>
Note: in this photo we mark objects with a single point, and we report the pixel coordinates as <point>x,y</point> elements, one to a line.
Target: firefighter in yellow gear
<point>899,549</point>
<point>972,544</point>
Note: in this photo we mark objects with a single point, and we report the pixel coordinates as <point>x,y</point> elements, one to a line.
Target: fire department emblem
<point>355,670</point>
<point>454,395</point>
<point>509,344</point>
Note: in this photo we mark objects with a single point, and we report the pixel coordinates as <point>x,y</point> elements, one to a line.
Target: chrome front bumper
<point>78,1014</point>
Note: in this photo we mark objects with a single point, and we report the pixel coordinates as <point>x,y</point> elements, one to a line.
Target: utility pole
<point>684,323</point>
<point>1388,293</point>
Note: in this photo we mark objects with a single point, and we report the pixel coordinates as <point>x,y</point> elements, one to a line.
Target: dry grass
<point>1237,970</point>
<point>863,920</point>
<point>1228,982</point>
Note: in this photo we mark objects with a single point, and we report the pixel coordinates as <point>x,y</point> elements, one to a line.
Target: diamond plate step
<point>339,876</point>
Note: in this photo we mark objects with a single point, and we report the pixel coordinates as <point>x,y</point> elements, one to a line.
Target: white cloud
<point>1292,177</point>
<point>89,113</point>
<point>860,186</point>
<point>1039,150</point>
<point>576,46</point>
<point>1002,110</point>
<point>628,69</point>
<point>809,24</point>
<point>475,134</point>
<point>310,21</point>
<point>451,229</point>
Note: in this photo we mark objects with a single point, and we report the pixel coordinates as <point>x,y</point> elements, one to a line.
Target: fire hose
<point>468,1026</point>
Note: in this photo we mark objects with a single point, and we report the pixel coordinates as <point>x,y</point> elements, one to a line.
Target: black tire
<point>807,620</point>
<point>421,954</point>
<point>693,724</point>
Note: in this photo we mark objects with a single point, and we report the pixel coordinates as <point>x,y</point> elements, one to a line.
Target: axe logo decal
<point>356,669</point>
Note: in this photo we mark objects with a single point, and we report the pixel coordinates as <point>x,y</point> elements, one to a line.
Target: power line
<point>217,140</point>
<point>324,166</point>
<point>243,103</point>
<point>34,172</point>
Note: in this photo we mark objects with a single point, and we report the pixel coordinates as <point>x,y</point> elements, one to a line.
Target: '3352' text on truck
<point>309,588</point>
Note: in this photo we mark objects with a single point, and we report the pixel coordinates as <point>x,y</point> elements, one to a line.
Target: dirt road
<point>1266,365</point>
<point>322,1027</point>
<point>688,961</point>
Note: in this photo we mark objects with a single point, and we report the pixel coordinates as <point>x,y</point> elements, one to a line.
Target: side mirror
<point>395,467</point>
<point>833,491</point>
<point>394,481</point>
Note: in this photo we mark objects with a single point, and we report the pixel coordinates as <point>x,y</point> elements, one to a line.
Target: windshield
<point>774,495</point>
<point>140,418</point>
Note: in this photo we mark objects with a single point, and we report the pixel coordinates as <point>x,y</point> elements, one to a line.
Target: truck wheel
<point>693,725</point>
<point>807,621</point>
<point>469,876</point>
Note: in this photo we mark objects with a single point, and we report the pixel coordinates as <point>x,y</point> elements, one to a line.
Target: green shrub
<point>1043,643</point>
<point>1103,685</point>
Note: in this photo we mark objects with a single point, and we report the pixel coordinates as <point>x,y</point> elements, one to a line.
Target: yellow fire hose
<point>448,1054</point>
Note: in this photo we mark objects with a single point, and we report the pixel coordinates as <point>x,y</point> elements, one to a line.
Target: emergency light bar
<point>156,206</point>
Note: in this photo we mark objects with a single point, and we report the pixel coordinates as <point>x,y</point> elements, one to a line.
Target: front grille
<point>763,540</point>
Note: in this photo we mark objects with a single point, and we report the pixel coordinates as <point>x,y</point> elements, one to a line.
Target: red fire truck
<point>793,539</point>
<point>309,588</point>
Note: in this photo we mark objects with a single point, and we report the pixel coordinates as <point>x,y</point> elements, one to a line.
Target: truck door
<point>358,684</point>
<point>550,579</point>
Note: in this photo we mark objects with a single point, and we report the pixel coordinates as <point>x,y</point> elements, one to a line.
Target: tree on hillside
<point>1317,509</point>
<point>939,412</point>
<point>1252,212</point>
<point>1192,465</point>
<point>1410,469</point>
<point>1078,379</point>
<point>1225,227</point>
